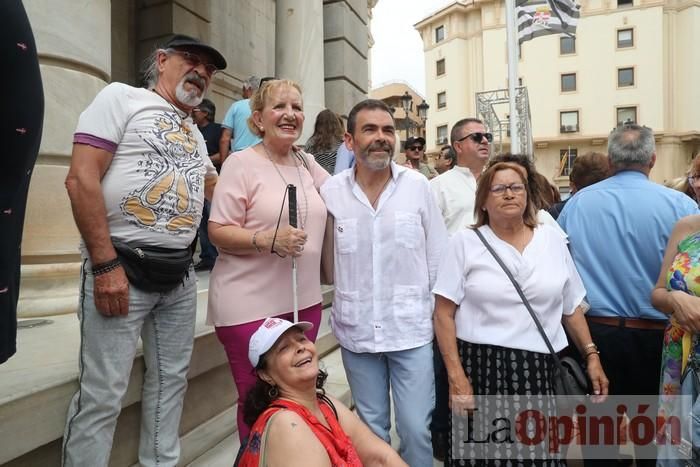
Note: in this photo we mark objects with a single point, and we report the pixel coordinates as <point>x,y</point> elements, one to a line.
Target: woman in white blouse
<point>487,338</point>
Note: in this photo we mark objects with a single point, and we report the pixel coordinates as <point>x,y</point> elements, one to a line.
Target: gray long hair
<point>631,145</point>
<point>149,69</point>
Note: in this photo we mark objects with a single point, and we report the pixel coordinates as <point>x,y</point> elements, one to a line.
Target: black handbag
<point>569,378</point>
<point>153,269</point>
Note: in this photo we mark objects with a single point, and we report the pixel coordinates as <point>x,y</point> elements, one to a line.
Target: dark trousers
<point>631,359</point>
<point>440,422</point>
<point>22,118</point>
<point>208,253</point>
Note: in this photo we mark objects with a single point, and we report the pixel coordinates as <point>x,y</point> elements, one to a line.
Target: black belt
<point>633,323</point>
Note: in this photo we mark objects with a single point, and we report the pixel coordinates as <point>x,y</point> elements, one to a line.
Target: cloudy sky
<point>398,50</point>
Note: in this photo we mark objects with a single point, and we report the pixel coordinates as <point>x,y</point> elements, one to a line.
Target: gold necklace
<point>302,219</point>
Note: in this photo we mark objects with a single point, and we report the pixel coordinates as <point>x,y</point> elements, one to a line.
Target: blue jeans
<point>165,322</point>
<point>209,252</point>
<point>409,375</point>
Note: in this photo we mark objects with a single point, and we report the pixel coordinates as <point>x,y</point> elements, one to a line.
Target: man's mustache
<point>381,146</point>
<point>193,77</point>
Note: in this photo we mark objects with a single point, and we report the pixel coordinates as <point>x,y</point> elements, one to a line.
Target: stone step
<point>38,382</point>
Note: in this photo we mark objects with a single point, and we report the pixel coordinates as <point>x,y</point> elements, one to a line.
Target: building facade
<point>631,61</point>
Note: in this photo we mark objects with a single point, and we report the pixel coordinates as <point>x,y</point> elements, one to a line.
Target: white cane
<point>292,196</point>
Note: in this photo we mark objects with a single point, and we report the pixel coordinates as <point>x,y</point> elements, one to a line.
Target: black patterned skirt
<point>494,370</point>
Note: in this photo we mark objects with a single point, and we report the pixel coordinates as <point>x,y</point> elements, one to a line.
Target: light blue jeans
<point>165,322</point>
<point>409,375</point>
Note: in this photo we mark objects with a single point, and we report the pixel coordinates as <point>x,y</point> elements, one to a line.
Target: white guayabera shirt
<point>386,261</point>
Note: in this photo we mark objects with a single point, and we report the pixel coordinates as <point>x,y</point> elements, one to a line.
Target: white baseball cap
<point>267,335</point>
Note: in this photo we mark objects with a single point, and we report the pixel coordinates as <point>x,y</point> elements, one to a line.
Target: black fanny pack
<point>153,269</point>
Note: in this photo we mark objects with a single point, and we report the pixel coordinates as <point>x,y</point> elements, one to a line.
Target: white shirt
<point>490,310</point>
<point>454,193</point>
<point>385,261</point>
<point>154,186</point>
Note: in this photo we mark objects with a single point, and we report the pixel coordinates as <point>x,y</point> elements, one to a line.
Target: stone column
<point>299,53</point>
<point>347,40</point>
<point>75,64</point>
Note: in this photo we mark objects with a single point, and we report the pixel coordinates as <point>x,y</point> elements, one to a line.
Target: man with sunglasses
<point>455,189</point>
<point>138,178</point>
<point>415,147</point>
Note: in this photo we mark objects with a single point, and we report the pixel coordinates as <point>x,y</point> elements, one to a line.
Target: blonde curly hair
<point>259,98</point>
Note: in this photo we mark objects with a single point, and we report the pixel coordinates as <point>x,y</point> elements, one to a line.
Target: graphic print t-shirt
<point>154,186</point>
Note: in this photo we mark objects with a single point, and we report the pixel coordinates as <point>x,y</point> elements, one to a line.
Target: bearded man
<point>388,236</point>
<point>137,182</point>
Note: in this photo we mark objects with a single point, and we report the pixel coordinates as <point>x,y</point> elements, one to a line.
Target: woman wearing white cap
<point>293,422</point>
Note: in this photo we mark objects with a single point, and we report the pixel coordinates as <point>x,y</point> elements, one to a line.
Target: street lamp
<point>423,112</point>
<point>407,104</point>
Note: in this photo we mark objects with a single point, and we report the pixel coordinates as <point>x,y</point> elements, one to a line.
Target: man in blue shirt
<point>618,229</point>
<point>235,124</point>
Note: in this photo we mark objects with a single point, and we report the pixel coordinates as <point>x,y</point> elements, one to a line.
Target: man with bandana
<point>138,178</point>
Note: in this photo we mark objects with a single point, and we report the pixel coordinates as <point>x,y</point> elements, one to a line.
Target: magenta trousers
<point>235,340</point>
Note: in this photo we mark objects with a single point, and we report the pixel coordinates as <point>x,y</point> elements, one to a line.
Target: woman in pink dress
<point>249,225</point>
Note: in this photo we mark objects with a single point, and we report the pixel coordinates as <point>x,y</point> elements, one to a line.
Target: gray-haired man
<point>137,181</point>
<point>235,124</point>
<point>618,229</point>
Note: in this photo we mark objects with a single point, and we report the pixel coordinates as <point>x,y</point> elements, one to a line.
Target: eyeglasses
<point>195,60</point>
<point>515,188</point>
<point>416,148</point>
<point>693,178</point>
<point>478,137</point>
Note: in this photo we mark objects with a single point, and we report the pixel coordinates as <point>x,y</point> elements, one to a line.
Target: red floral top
<point>338,446</point>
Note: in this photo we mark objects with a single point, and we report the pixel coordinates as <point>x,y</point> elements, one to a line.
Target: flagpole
<point>512,44</point>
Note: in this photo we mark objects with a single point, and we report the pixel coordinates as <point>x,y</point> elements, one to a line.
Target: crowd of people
<point>426,315</point>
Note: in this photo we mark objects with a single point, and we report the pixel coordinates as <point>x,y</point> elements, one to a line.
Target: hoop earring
<point>273,392</point>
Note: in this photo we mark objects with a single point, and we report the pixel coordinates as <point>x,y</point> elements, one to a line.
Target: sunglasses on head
<point>477,137</point>
<point>416,148</point>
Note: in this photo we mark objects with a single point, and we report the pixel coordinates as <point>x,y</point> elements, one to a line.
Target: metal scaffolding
<point>492,109</point>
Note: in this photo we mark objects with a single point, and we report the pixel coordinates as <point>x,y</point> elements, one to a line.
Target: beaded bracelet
<point>104,268</point>
<point>255,243</point>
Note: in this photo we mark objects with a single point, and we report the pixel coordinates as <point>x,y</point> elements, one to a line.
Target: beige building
<point>82,46</point>
<point>631,60</point>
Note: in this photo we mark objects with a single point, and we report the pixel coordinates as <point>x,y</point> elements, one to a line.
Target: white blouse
<point>490,310</point>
